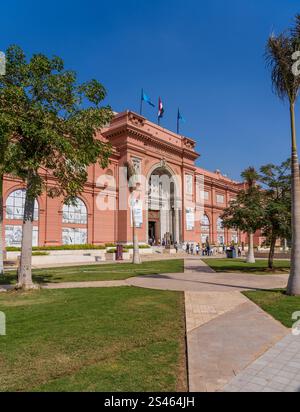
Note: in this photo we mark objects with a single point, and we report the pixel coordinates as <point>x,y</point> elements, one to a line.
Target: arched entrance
<point>163,207</point>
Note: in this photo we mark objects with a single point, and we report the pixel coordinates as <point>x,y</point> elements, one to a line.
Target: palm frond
<point>250,175</point>
<point>279,52</point>
<point>295,31</point>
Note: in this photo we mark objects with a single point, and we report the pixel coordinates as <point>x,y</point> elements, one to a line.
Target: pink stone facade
<point>197,197</point>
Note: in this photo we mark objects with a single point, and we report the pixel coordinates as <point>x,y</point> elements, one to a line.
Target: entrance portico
<point>164,205</point>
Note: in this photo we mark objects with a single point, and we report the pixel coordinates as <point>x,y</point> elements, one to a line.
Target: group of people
<point>192,249</point>
<point>196,249</point>
<point>207,250</point>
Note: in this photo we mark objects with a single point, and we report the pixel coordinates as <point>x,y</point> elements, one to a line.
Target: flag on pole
<point>146,98</point>
<point>161,109</point>
<point>180,118</point>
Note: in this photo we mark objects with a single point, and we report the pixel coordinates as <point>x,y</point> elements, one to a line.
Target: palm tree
<point>250,176</point>
<point>132,187</point>
<point>1,226</point>
<point>279,56</point>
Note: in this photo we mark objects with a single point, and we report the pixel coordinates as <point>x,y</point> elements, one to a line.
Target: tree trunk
<point>250,256</point>
<point>24,274</point>
<point>272,251</point>
<point>1,226</point>
<point>136,252</point>
<point>294,279</point>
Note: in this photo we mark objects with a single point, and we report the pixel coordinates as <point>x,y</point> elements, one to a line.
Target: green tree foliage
<point>54,124</point>
<point>280,57</point>
<point>246,211</point>
<point>276,181</point>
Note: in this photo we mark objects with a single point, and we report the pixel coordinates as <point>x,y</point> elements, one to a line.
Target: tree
<point>55,130</point>
<point>276,193</point>
<point>8,126</point>
<point>280,56</point>
<point>245,212</point>
<point>131,177</point>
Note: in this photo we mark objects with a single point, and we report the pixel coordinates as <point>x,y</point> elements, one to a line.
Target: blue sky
<point>206,56</point>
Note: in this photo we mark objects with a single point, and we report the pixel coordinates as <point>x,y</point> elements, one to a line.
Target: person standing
<point>188,248</point>
<point>208,250</point>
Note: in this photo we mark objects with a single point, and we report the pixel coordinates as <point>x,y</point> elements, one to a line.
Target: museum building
<point>173,197</point>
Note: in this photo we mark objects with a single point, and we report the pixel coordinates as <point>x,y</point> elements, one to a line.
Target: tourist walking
<point>188,248</point>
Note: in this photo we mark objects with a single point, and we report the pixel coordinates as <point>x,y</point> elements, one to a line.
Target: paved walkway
<point>227,333</point>
<point>230,340</point>
<point>277,370</point>
<point>91,284</point>
<point>200,277</point>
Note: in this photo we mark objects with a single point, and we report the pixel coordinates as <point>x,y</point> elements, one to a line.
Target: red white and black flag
<point>160,109</point>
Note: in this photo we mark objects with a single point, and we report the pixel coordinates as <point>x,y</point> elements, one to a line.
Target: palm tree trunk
<point>1,226</point>
<point>294,279</point>
<point>250,256</point>
<point>24,273</point>
<point>271,253</point>
<point>136,252</point>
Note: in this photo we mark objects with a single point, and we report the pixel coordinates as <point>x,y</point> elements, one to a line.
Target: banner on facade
<point>190,218</point>
<point>138,213</point>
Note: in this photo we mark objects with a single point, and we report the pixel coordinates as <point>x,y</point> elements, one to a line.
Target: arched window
<point>15,212</point>
<point>220,232</point>
<point>74,220</point>
<point>15,206</point>
<point>75,213</point>
<point>205,229</point>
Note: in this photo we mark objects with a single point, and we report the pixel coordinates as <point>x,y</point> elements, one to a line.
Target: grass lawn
<point>240,265</point>
<point>110,339</point>
<point>277,304</point>
<point>114,271</point>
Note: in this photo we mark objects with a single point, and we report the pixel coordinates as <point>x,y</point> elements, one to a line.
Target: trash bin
<point>229,254</point>
<point>119,252</point>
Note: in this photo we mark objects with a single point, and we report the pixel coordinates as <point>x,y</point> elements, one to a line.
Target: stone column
<point>176,226</point>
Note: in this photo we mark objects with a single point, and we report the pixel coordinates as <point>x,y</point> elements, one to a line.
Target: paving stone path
<point>277,370</point>
<point>230,340</point>
<point>232,344</point>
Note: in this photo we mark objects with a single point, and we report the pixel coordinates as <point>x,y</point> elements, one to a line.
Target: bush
<point>140,247</point>
<point>63,247</point>
<point>40,254</point>
<point>110,245</point>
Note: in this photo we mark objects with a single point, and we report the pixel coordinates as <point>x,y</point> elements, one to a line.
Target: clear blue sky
<point>204,55</point>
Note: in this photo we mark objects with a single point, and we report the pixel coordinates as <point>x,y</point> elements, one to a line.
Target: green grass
<point>106,339</point>
<point>277,304</point>
<point>114,271</point>
<point>240,265</point>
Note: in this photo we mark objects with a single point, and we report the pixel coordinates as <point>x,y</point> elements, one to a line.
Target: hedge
<point>74,247</point>
<point>63,247</point>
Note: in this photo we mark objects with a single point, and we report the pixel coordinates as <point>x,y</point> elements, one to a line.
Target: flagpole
<point>178,122</point>
<point>141,105</point>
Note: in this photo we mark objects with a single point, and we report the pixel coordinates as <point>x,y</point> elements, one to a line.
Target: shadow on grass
<point>249,269</point>
<point>8,279</point>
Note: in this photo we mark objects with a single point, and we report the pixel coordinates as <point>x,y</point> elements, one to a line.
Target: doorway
<point>151,231</point>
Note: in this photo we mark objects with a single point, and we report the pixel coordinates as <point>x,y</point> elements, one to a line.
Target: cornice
<point>134,130</point>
